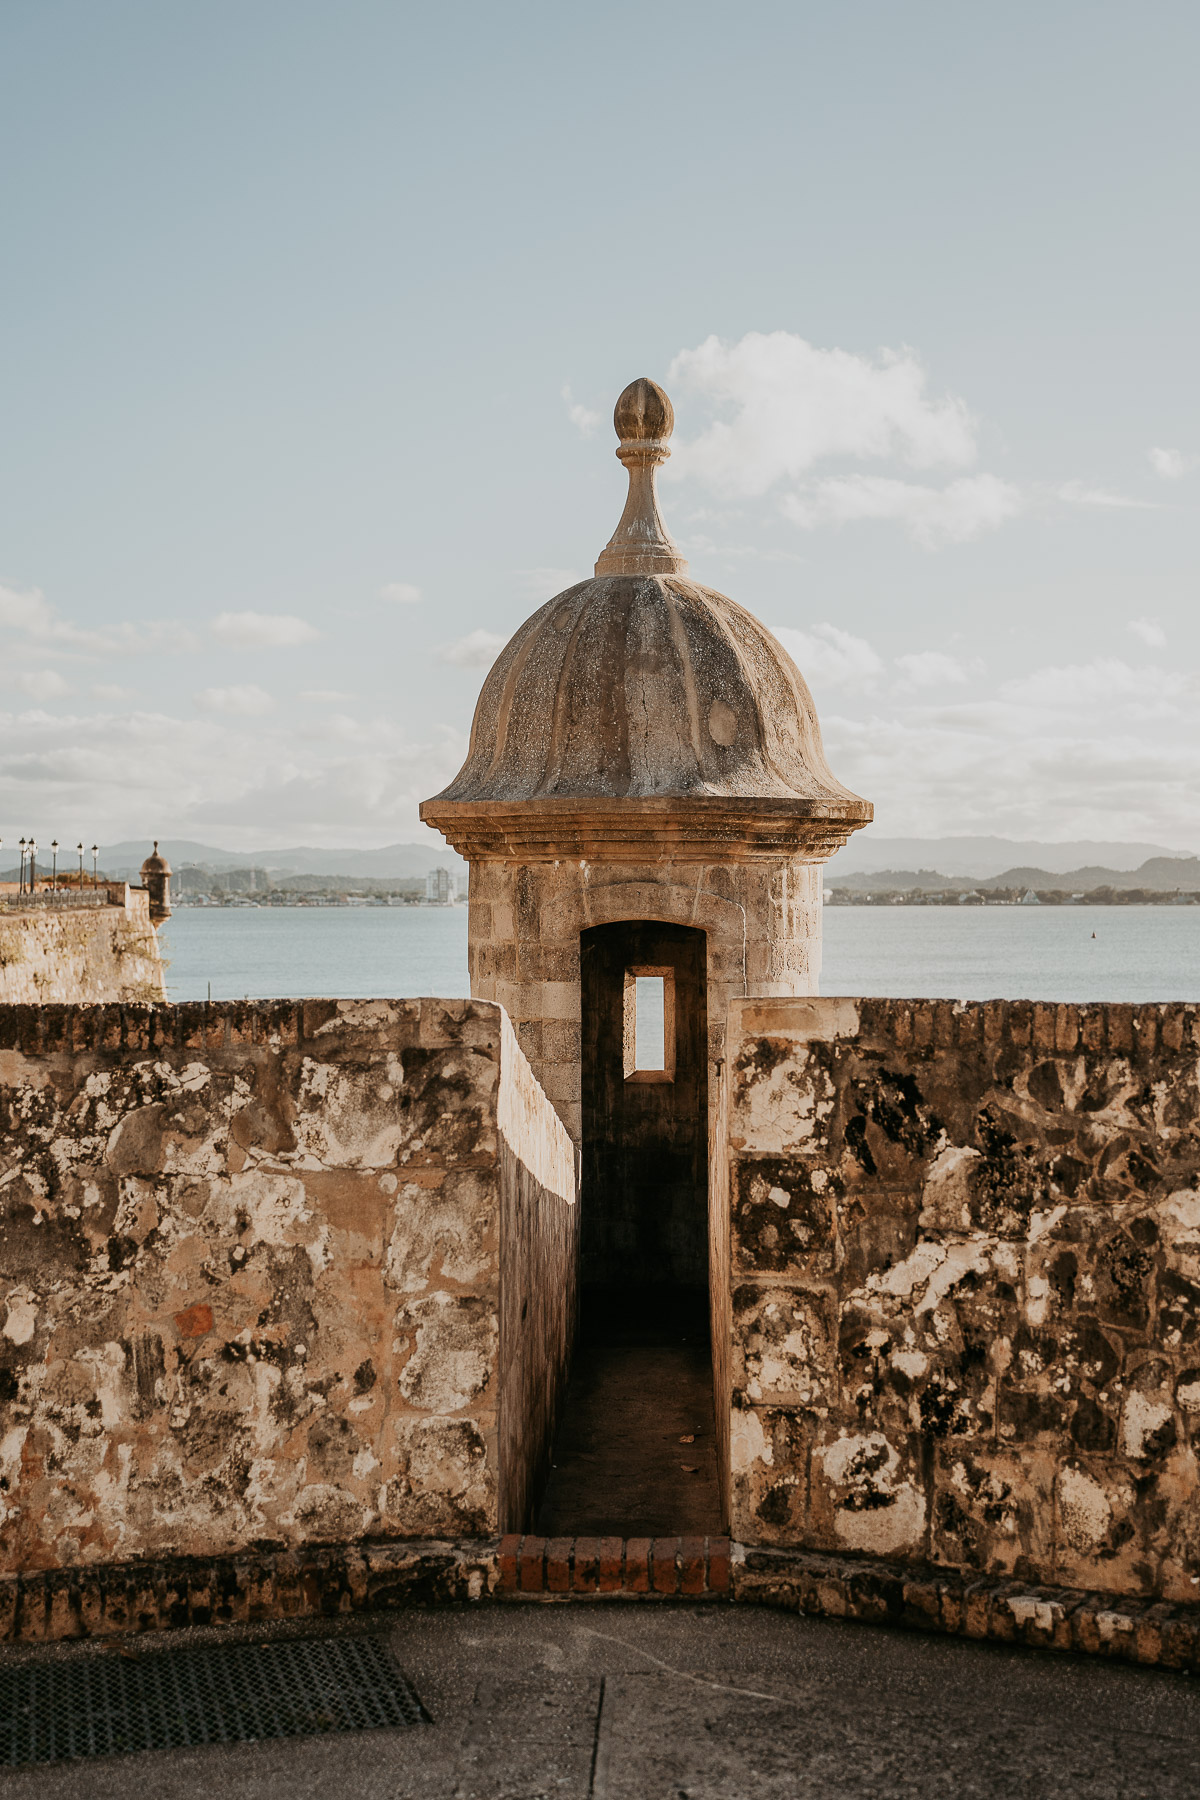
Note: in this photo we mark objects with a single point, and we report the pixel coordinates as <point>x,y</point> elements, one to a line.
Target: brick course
<point>117,1601</point>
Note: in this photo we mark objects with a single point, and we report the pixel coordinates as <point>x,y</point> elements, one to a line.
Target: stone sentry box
<point>274,1275</point>
<point>642,749</point>
<point>963,1300</point>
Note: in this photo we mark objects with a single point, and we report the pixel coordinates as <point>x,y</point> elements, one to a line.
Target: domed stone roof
<point>641,687</point>
<point>155,864</point>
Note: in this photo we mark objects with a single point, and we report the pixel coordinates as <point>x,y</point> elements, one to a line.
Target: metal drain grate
<point>109,1704</point>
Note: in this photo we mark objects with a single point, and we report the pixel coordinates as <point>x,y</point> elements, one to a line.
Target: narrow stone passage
<point>635,1454</point>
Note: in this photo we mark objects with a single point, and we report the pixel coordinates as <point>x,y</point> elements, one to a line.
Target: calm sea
<point>968,953</point>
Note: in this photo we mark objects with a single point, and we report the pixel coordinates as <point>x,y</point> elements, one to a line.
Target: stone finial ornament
<point>641,544</point>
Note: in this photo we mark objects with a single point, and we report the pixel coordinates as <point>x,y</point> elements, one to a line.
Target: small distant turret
<point>156,878</point>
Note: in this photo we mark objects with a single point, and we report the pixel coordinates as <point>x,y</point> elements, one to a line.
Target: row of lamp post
<point>29,850</point>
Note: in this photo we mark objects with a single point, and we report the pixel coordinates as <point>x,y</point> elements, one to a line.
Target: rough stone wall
<point>762,919</point>
<point>250,1273</point>
<point>539,1279</point>
<point>966,1286</point>
<point>720,1286</point>
<point>81,954</point>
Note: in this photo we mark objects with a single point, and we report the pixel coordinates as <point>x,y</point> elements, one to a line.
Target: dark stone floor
<point>641,1385</point>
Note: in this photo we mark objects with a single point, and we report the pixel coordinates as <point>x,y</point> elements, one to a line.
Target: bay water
<point>1130,953</point>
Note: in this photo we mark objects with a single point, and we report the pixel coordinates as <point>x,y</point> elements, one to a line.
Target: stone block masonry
<point>251,1277</point>
<point>762,919</point>
<point>963,1315</point>
<point>80,954</point>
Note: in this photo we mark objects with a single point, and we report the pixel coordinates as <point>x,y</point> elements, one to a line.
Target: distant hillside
<point>388,862</point>
<point>899,880</point>
<point>982,858</point>
<point>1161,873</point>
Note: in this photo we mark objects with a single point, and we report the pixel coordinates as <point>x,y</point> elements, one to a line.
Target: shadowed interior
<point>635,1452</point>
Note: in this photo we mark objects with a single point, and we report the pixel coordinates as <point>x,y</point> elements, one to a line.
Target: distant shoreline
<point>1011,897</point>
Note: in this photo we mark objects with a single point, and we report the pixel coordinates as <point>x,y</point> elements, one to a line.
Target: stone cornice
<point>697,828</point>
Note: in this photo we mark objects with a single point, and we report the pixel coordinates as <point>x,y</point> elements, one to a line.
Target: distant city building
<point>1029,898</point>
<point>440,888</point>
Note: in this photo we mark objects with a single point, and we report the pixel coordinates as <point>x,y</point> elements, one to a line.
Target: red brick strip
<point>558,1565</point>
<point>693,1565</point>
<point>506,1560</point>
<point>637,1565</point>
<point>585,1565</point>
<point>664,1568</point>
<point>610,1570</point>
<point>718,1565</point>
<point>658,1568</point>
<point>532,1565</point>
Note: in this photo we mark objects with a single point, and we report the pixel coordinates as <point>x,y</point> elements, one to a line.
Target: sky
<point>313,318</point>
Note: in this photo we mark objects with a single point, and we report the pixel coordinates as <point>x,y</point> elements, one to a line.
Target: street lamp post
<point>21,889</point>
<point>95,854</point>
<point>32,865</point>
<point>79,847</point>
<point>54,866</point>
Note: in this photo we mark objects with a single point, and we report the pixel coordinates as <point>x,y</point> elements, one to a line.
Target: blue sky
<point>313,318</point>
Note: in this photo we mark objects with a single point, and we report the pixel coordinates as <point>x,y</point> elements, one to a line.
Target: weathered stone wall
<point>250,1274</point>
<point>762,919</point>
<point>720,1285</point>
<point>81,953</point>
<point>539,1279</point>
<point>966,1286</point>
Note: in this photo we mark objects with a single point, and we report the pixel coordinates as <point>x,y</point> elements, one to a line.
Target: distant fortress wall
<point>273,1275</point>
<point>964,1300</point>
<point>63,949</point>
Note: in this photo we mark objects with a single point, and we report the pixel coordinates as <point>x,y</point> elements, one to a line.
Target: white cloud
<point>932,516</point>
<point>538,585</point>
<point>932,668</point>
<point>109,690</point>
<point>326,696</point>
<point>249,701</point>
<point>583,418</point>
<point>1077,493</point>
<point>1018,771</point>
<point>400,593</point>
<point>241,781</point>
<point>1150,632</point>
<point>1100,683</point>
<point>478,650</point>
<point>263,631</point>
<point>791,405</point>
<point>1172,465</point>
<point>42,684</point>
<point>27,610</point>
<point>829,657</point>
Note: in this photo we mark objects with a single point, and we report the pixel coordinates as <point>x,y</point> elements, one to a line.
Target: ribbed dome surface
<point>639,686</point>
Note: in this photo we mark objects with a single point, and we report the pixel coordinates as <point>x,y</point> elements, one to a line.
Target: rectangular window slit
<point>649,1032</point>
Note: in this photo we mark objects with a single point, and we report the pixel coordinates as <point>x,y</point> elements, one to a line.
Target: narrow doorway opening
<point>636,1454</point>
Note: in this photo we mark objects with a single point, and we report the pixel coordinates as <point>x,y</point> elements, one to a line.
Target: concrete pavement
<point>676,1702</point>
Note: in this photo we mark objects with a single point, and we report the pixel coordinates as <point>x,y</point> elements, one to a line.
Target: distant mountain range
<point>980,858</point>
<point>1163,874</point>
<point>392,860</point>
<point>951,862</point>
